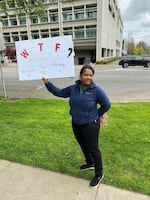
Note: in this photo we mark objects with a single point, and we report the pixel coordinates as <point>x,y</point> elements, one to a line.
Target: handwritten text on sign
<point>49,57</point>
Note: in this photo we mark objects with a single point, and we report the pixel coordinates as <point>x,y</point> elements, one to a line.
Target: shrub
<point>107,60</point>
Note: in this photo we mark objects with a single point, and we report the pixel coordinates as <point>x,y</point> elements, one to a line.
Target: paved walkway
<point>21,182</point>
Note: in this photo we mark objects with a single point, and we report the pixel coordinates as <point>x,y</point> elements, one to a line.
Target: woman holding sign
<point>85,96</point>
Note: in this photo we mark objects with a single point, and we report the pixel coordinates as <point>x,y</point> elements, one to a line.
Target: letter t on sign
<point>41,46</point>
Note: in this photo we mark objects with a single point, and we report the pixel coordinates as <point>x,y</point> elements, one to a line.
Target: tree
<point>142,45</point>
<point>28,8</point>
<point>24,8</point>
<point>130,47</point>
<point>138,50</point>
<point>67,0</point>
<point>130,44</point>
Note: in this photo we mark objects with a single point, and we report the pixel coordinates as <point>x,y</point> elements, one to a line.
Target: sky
<point>136,19</point>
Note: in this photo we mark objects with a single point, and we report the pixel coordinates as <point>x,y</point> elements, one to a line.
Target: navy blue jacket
<point>85,107</point>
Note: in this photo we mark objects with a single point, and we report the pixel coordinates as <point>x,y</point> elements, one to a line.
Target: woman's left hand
<point>104,119</point>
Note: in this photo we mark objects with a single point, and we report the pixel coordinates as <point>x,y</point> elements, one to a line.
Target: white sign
<point>48,57</point>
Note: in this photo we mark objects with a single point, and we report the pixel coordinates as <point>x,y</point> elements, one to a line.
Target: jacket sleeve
<point>65,92</point>
<point>103,100</point>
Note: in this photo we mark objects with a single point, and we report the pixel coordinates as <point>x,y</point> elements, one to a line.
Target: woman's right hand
<point>45,80</point>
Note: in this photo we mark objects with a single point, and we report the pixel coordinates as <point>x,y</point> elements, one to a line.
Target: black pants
<point>87,136</point>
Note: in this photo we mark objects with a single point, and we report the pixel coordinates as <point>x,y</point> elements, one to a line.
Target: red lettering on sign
<point>57,46</point>
<point>24,53</point>
<point>41,46</point>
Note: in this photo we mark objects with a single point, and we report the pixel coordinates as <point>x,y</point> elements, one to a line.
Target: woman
<point>85,96</point>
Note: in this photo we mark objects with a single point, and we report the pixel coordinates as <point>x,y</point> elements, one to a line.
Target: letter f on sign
<point>24,53</point>
<point>57,46</point>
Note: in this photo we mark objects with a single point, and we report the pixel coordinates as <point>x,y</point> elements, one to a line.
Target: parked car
<point>134,60</point>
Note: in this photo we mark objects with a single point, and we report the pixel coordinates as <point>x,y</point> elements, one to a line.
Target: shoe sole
<point>89,168</point>
<point>101,179</point>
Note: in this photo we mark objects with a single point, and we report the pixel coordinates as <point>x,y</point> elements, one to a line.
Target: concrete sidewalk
<point>21,182</point>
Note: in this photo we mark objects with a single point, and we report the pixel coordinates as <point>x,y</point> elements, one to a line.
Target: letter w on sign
<point>24,53</point>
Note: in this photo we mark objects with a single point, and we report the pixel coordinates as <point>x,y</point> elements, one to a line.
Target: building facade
<point>95,25</point>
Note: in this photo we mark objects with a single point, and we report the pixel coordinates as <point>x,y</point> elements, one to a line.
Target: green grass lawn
<point>38,132</point>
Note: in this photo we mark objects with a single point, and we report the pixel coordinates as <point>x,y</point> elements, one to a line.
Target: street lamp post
<point>28,26</point>
<point>3,82</point>
<point>28,21</point>
<point>60,17</point>
<point>2,47</point>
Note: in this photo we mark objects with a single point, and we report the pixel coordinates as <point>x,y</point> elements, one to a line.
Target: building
<point>96,27</point>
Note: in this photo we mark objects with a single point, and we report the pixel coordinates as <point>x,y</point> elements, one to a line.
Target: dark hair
<point>86,67</point>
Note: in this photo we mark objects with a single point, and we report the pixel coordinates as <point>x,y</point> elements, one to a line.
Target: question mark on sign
<point>70,51</point>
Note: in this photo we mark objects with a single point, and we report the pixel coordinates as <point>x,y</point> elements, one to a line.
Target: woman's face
<point>86,77</point>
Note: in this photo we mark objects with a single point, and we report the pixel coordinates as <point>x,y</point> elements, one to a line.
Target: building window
<point>13,21</point>
<point>22,21</point>
<point>35,34</point>
<point>44,33</point>
<point>44,1</point>
<point>44,19</point>
<point>67,14</point>
<point>34,20</point>
<point>68,31</point>
<point>79,14</point>
<point>23,35</point>
<point>117,43</point>
<point>54,32</point>
<point>6,37</point>
<point>15,36</point>
<point>79,32</point>
<point>5,22</point>
<point>11,4</point>
<point>91,13</point>
<point>91,31</point>
<point>52,1</point>
<point>54,16</point>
